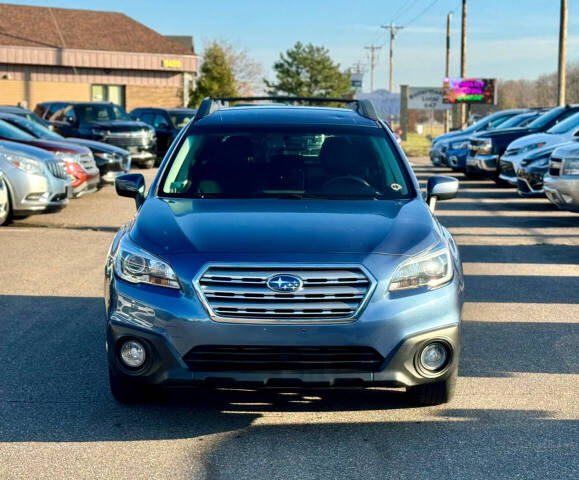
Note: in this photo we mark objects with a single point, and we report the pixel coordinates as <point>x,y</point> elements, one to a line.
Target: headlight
<point>459,145</point>
<point>432,270</point>
<point>570,166</point>
<point>97,132</point>
<point>109,157</point>
<point>68,157</point>
<point>26,164</point>
<point>533,146</point>
<point>135,265</point>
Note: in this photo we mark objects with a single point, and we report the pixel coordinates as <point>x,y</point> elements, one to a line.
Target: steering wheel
<point>349,178</point>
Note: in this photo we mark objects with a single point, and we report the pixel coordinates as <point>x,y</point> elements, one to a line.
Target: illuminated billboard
<point>469,90</point>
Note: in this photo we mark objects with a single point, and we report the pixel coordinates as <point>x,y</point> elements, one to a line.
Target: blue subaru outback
<point>284,246</point>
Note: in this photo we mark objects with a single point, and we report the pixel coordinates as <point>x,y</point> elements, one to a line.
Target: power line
<point>401,11</point>
<point>430,5</point>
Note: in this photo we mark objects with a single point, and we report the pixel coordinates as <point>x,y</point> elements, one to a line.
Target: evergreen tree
<point>309,71</point>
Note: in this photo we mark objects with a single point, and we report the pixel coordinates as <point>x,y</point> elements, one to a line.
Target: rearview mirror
<point>440,188</point>
<point>131,185</point>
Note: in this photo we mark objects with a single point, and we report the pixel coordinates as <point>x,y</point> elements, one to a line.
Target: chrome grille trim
<point>238,293</point>
<point>57,169</point>
<point>86,161</point>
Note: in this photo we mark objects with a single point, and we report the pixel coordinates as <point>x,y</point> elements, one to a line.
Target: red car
<point>80,164</point>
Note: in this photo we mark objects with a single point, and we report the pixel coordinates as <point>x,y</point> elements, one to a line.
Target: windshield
<point>566,126</point>
<point>37,130</point>
<point>13,133</point>
<point>286,165</point>
<point>180,119</point>
<point>518,120</point>
<point>546,118</point>
<point>101,113</point>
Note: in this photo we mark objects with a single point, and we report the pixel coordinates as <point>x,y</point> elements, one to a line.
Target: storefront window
<point>108,93</point>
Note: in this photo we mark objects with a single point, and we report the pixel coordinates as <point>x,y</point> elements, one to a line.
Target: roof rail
<point>363,107</point>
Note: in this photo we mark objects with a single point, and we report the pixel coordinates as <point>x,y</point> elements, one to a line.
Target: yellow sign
<point>172,63</point>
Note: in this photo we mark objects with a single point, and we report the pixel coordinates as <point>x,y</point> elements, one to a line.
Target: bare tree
<point>248,73</point>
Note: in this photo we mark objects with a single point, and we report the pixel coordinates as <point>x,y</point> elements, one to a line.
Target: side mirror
<point>131,185</point>
<point>440,188</point>
<point>70,120</point>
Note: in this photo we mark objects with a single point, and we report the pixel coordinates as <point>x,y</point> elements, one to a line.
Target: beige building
<point>49,54</point>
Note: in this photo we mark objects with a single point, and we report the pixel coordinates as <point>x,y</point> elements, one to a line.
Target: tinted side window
<point>147,118</point>
<point>160,121</point>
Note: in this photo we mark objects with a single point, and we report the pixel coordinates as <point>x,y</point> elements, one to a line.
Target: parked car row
<point>64,150</point>
<point>534,150</point>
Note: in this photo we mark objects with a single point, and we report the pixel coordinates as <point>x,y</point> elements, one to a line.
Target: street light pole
<point>561,83</point>
<point>463,60</point>
<point>447,69</point>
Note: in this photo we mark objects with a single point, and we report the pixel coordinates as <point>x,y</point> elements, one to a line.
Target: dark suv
<point>109,123</point>
<point>167,123</point>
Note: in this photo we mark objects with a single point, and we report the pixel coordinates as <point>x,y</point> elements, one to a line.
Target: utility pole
<point>562,54</point>
<point>373,56</point>
<point>463,60</point>
<point>447,69</point>
<point>393,29</point>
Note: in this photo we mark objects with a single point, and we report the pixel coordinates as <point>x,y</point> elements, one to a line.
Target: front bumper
<point>562,191</point>
<point>457,158</point>
<point>482,164</point>
<point>508,172</point>
<point>110,171</point>
<point>172,323</point>
<point>530,181</point>
<point>438,157</point>
<point>33,194</point>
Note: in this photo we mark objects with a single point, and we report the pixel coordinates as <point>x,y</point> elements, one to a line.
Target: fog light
<point>133,354</point>
<point>434,356</point>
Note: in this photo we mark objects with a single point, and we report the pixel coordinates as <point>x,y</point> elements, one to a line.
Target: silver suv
<point>34,181</point>
<point>561,183</point>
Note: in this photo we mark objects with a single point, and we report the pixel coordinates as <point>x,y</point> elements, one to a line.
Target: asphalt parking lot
<point>515,414</point>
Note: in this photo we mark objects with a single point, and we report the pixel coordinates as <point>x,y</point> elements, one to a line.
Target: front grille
<point>86,161</point>
<point>57,169</point>
<point>555,167</point>
<point>241,292</point>
<point>507,169</point>
<point>135,139</point>
<point>220,358</point>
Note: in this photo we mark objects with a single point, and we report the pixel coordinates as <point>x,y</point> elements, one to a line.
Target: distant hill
<point>385,102</point>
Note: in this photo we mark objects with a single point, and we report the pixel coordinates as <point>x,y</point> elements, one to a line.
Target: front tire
<point>435,393</point>
<point>5,209</point>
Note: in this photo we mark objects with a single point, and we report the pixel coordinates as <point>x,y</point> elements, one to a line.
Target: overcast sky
<point>506,38</point>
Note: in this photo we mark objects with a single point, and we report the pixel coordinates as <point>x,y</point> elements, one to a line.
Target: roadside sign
<point>470,90</point>
<point>426,98</point>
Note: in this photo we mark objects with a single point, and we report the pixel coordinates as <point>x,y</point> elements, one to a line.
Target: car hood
<point>270,226</point>
<point>570,149</point>
<point>505,132</point>
<point>118,125</point>
<point>25,149</point>
<point>55,146</point>
<point>451,136</point>
<point>97,146</point>
<point>548,138</point>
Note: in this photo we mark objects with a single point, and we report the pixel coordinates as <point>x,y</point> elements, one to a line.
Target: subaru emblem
<point>284,283</point>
